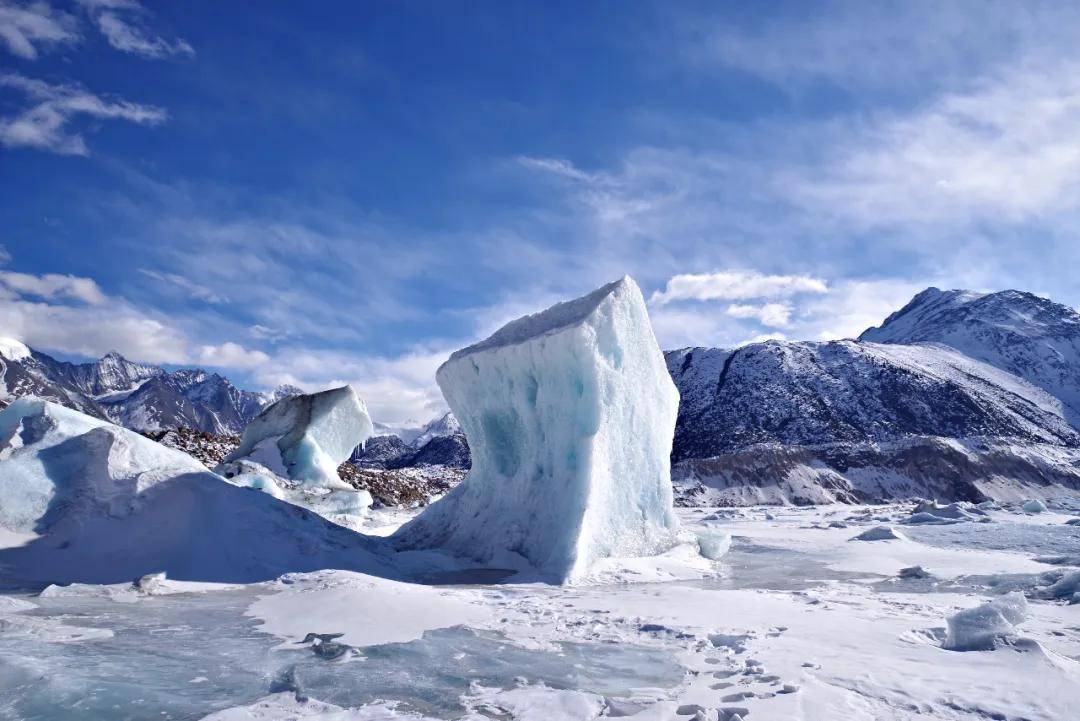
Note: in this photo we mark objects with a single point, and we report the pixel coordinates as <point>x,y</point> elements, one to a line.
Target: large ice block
<point>306,437</point>
<point>570,415</point>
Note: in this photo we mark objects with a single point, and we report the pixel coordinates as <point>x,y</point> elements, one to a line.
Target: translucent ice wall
<point>570,415</point>
<point>307,437</point>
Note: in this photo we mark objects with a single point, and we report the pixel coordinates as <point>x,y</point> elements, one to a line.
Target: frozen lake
<point>796,621</point>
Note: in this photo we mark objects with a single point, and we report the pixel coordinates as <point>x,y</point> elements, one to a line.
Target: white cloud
<point>53,285</point>
<point>92,331</point>
<point>774,315</point>
<point>736,285</point>
<point>230,355</point>
<point>855,305</point>
<point>24,27</point>
<point>120,21</point>
<point>396,389</point>
<point>71,314</point>
<point>1007,149</point>
<point>190,287</point>
<point>44,123</point>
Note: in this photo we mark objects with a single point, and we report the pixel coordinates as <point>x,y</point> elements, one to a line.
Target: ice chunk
<point>713,544</point>
<point>1034,506</point>
<point>1066,586</point>
<point>570,415</point>
<point>981,628</point>
<point>880,533</point>
<point>306,437</point>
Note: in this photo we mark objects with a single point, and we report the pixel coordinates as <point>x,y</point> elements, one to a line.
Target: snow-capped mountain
<point>965,396</point>
<point>139,397</point>
<point>1032,337</point>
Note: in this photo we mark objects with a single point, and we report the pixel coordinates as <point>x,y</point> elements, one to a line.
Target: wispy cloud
<point>25,27</point>
<point>736,285</point>
<point>881,46</point>
<point>122,24</point>
<point>1007,149</point>
<point>230,355</point>
<point>189,287</point>
<point>45,122</point>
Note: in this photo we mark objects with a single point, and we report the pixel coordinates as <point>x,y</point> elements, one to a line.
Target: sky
<point>326,192</point>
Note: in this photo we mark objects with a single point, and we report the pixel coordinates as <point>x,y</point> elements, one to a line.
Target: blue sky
<point>343,191</point>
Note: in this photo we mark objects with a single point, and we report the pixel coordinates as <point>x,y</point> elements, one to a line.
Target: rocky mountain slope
<point>966,396</point>
<point>139,397</point>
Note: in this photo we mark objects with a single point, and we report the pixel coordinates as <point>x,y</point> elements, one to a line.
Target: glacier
<point>306,437</point>
<point>570,415</point>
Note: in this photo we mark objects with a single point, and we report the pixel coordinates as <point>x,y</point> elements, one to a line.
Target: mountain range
<point>956,396</point>
<point>140,397</point>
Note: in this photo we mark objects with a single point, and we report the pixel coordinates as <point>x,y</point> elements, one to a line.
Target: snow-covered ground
<point>796,621</point>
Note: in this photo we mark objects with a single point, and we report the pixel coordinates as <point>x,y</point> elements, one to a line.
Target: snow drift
<point>84,500</point>
<point>570,415</point>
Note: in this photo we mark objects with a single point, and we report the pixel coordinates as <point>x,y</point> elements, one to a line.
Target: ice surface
<point>306,437</point>
<point>570,415</point>
<point>82,500</point>
<point>981,628</point>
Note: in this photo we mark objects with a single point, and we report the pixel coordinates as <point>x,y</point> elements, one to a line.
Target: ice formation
<point>61,466</point>
<point>1034,506</point>
<point>980,628</point>
<point>570,415</point>
<point>82,500</point>
<point>306,437</point>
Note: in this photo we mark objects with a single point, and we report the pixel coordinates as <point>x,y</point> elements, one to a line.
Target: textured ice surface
<point>980,628</point>
<point>305,438</point>
<point>570,415</point>
<point>184,656</point>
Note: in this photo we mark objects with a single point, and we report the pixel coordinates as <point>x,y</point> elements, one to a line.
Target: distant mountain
<point>439,443</point>
<point>1031,337</point>
<point>961,396</point>
<point>140,397</point>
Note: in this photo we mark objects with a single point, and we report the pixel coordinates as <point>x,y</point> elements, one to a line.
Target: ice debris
<point>570,415</point>
<point>982,628</point>
<point>1034,506</point>
<point>880,533</point>
<point>713,543</point>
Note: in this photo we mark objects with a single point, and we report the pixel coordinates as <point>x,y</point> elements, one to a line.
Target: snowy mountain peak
<point>1022,333</point>
<point>13,349</point>
<point>445,425</point>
